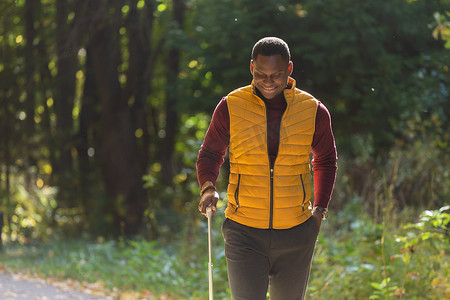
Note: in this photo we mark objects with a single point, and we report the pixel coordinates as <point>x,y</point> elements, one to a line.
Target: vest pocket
<point>304,192</point>
<point>236,193</point>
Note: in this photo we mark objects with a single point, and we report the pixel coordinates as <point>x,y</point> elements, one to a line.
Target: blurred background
<point>104,105</point>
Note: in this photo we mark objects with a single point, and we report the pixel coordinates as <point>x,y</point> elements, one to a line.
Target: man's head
<point>269,46</point>
<point>271,66</point>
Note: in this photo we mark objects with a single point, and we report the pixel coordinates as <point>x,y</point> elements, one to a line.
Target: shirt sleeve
<point>324,160</point>
<point>214,147</point>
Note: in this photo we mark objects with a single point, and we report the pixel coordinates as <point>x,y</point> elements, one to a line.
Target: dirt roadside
<point>16,286</point>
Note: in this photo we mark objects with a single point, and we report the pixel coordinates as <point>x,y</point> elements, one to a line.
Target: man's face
<point>270,74</point>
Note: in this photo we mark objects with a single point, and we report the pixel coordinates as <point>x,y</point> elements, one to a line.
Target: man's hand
<point>209,197</point>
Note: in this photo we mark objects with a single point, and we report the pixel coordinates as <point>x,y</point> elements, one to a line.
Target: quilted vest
<point>259,196</point>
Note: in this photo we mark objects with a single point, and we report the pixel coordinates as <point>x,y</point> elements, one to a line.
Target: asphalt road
<point>14,286</point>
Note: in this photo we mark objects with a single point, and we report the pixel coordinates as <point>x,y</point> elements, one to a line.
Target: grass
<point>135,267</point>
<point>390,260</point>
<point>356,258</point>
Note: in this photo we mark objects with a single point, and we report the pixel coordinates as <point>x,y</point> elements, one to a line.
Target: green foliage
<point>383,290</point>
<point>225,33</point>
<point>33,213</point>
<point>362,60</point>
<point>414,174</point>
<point>368,261</point>
<point>376,249</point>
<point>36,215</point>
<point>183,195</point>
<point>433,225</point>
<point>381,67</point>
<point>442,28</point>
<point>355,259</point>
<point>179,269</point>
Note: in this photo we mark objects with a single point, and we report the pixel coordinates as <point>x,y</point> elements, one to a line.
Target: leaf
<point>406,258</point>
<point>435,33</point>
<point>376,286</point>
<point>385,282</point>
<point>426,235</point>
<point>445,208</point>
<point>435,282</point>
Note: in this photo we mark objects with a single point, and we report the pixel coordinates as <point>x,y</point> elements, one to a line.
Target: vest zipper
<point>304,192</point>
<point>272,164</point>
<point>236,193</point>
<point>271,199</point>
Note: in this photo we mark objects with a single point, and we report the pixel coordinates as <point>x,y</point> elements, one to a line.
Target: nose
<point>268,79</point>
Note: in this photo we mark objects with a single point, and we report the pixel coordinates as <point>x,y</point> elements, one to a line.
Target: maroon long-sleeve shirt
<point>215,144</point>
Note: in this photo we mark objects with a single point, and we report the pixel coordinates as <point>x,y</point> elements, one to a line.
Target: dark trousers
<point>262,259</point>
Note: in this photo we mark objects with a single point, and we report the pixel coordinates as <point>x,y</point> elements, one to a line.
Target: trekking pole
<point>210,266</point>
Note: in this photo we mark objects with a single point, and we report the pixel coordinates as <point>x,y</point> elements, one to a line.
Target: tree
<point>94,95</point>
<point>173,95</point>
<point>67,61</point>
<point>120,167</point>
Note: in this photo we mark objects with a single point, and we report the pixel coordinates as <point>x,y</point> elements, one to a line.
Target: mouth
<point>267,89</point>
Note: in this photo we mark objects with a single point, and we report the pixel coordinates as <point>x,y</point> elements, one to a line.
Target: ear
<point>251,66</point>
<point>291,67</point>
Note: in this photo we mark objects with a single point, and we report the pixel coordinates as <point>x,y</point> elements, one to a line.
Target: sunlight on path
<point>13,287</point>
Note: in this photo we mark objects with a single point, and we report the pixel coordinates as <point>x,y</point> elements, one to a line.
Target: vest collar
<point>290,89</point>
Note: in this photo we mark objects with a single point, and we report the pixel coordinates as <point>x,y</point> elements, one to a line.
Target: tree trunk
<point>5,141</point>
<point>88,140</point>
<point>30,69</point>
<point>139,26</point>
<point>142,62</point>
<point>64,103</point>
<point>119,160</point>
<point>172,117</point>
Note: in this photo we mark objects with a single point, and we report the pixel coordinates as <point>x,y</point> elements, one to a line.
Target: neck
<point>274,99</point>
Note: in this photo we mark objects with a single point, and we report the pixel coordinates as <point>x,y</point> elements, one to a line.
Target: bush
<point>384,261</point>
<point>355,258</point>
<point>179,269</point>
<point>414,175</point>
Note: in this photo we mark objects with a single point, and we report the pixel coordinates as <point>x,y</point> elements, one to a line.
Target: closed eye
<point>274,76</point>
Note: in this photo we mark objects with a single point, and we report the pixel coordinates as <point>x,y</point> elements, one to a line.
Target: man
<point>270,129</point>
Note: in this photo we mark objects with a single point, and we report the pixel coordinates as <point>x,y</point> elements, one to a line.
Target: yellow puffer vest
<point>259,196</point>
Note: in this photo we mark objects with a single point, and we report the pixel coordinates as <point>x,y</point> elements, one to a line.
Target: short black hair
<point>271,46</point>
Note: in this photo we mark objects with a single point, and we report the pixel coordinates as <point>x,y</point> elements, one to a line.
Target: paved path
<point>13,287</point>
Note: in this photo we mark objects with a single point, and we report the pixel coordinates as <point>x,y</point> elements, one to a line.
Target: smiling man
<point>270,73</point>
<point>270,128</point>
